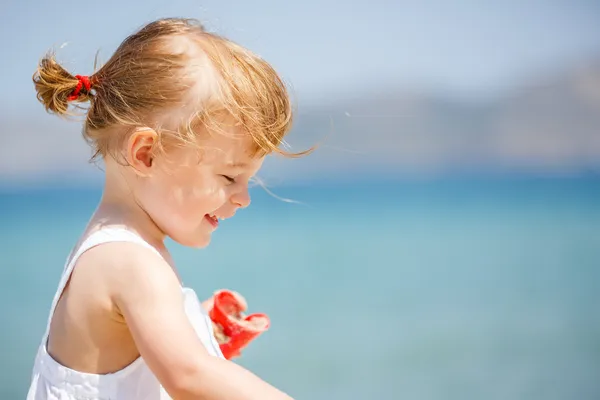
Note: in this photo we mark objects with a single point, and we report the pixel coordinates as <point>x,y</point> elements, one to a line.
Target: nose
<point>241,199</point>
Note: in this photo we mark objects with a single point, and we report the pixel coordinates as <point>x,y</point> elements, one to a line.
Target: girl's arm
<point>147,293</point>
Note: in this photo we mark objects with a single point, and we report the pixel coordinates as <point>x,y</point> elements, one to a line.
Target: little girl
<point>181,119</point>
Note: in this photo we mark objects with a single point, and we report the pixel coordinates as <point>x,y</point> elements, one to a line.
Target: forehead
<point>230,148</point>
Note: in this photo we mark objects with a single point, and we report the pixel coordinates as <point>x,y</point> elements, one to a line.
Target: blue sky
<point>325,46</point>
<point>324,49</point>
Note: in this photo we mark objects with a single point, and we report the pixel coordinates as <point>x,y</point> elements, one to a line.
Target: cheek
<point>183,200</point>
<point>199,196</point>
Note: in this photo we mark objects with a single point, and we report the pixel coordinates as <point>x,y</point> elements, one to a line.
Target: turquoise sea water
<point>439,290</point>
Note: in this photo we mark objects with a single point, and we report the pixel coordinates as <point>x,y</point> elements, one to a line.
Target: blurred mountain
<point>550,126</point>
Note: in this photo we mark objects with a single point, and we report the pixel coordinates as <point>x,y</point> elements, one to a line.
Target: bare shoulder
<point>116,268</point>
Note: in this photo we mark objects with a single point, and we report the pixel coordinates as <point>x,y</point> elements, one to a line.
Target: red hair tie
<point>82,82</point>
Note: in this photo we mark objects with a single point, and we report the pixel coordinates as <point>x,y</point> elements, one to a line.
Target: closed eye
<point>229,178</point>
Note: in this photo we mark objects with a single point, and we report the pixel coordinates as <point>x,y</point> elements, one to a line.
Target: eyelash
<point>229,178</point>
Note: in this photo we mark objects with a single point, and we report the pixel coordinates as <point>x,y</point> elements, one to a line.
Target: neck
<point>119,207</point>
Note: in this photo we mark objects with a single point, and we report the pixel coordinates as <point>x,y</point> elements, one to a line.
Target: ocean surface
<point>464,289</point>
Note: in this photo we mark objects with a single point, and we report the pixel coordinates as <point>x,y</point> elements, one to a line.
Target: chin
<point>199,244</point>
<point>195,242</point>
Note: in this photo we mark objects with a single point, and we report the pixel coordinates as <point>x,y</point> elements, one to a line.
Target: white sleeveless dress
<point>53,381</point>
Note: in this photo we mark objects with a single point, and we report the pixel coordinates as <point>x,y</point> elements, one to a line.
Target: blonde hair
<point>168,67</point>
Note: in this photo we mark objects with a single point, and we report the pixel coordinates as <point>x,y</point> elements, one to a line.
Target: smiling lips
<point>214,221</point>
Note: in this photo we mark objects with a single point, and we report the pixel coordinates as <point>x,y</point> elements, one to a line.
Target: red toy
<point>236,329</point>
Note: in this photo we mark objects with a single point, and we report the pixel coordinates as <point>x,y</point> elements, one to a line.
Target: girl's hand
<point>218,329</point>
<point>232,328</point>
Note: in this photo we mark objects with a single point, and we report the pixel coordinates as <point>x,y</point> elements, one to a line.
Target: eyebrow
<point>236,165</point>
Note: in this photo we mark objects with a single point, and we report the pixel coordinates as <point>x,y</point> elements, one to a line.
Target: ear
<point>139,154</point>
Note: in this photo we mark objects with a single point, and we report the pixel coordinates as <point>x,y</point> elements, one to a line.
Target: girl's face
<point>187,191</point>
